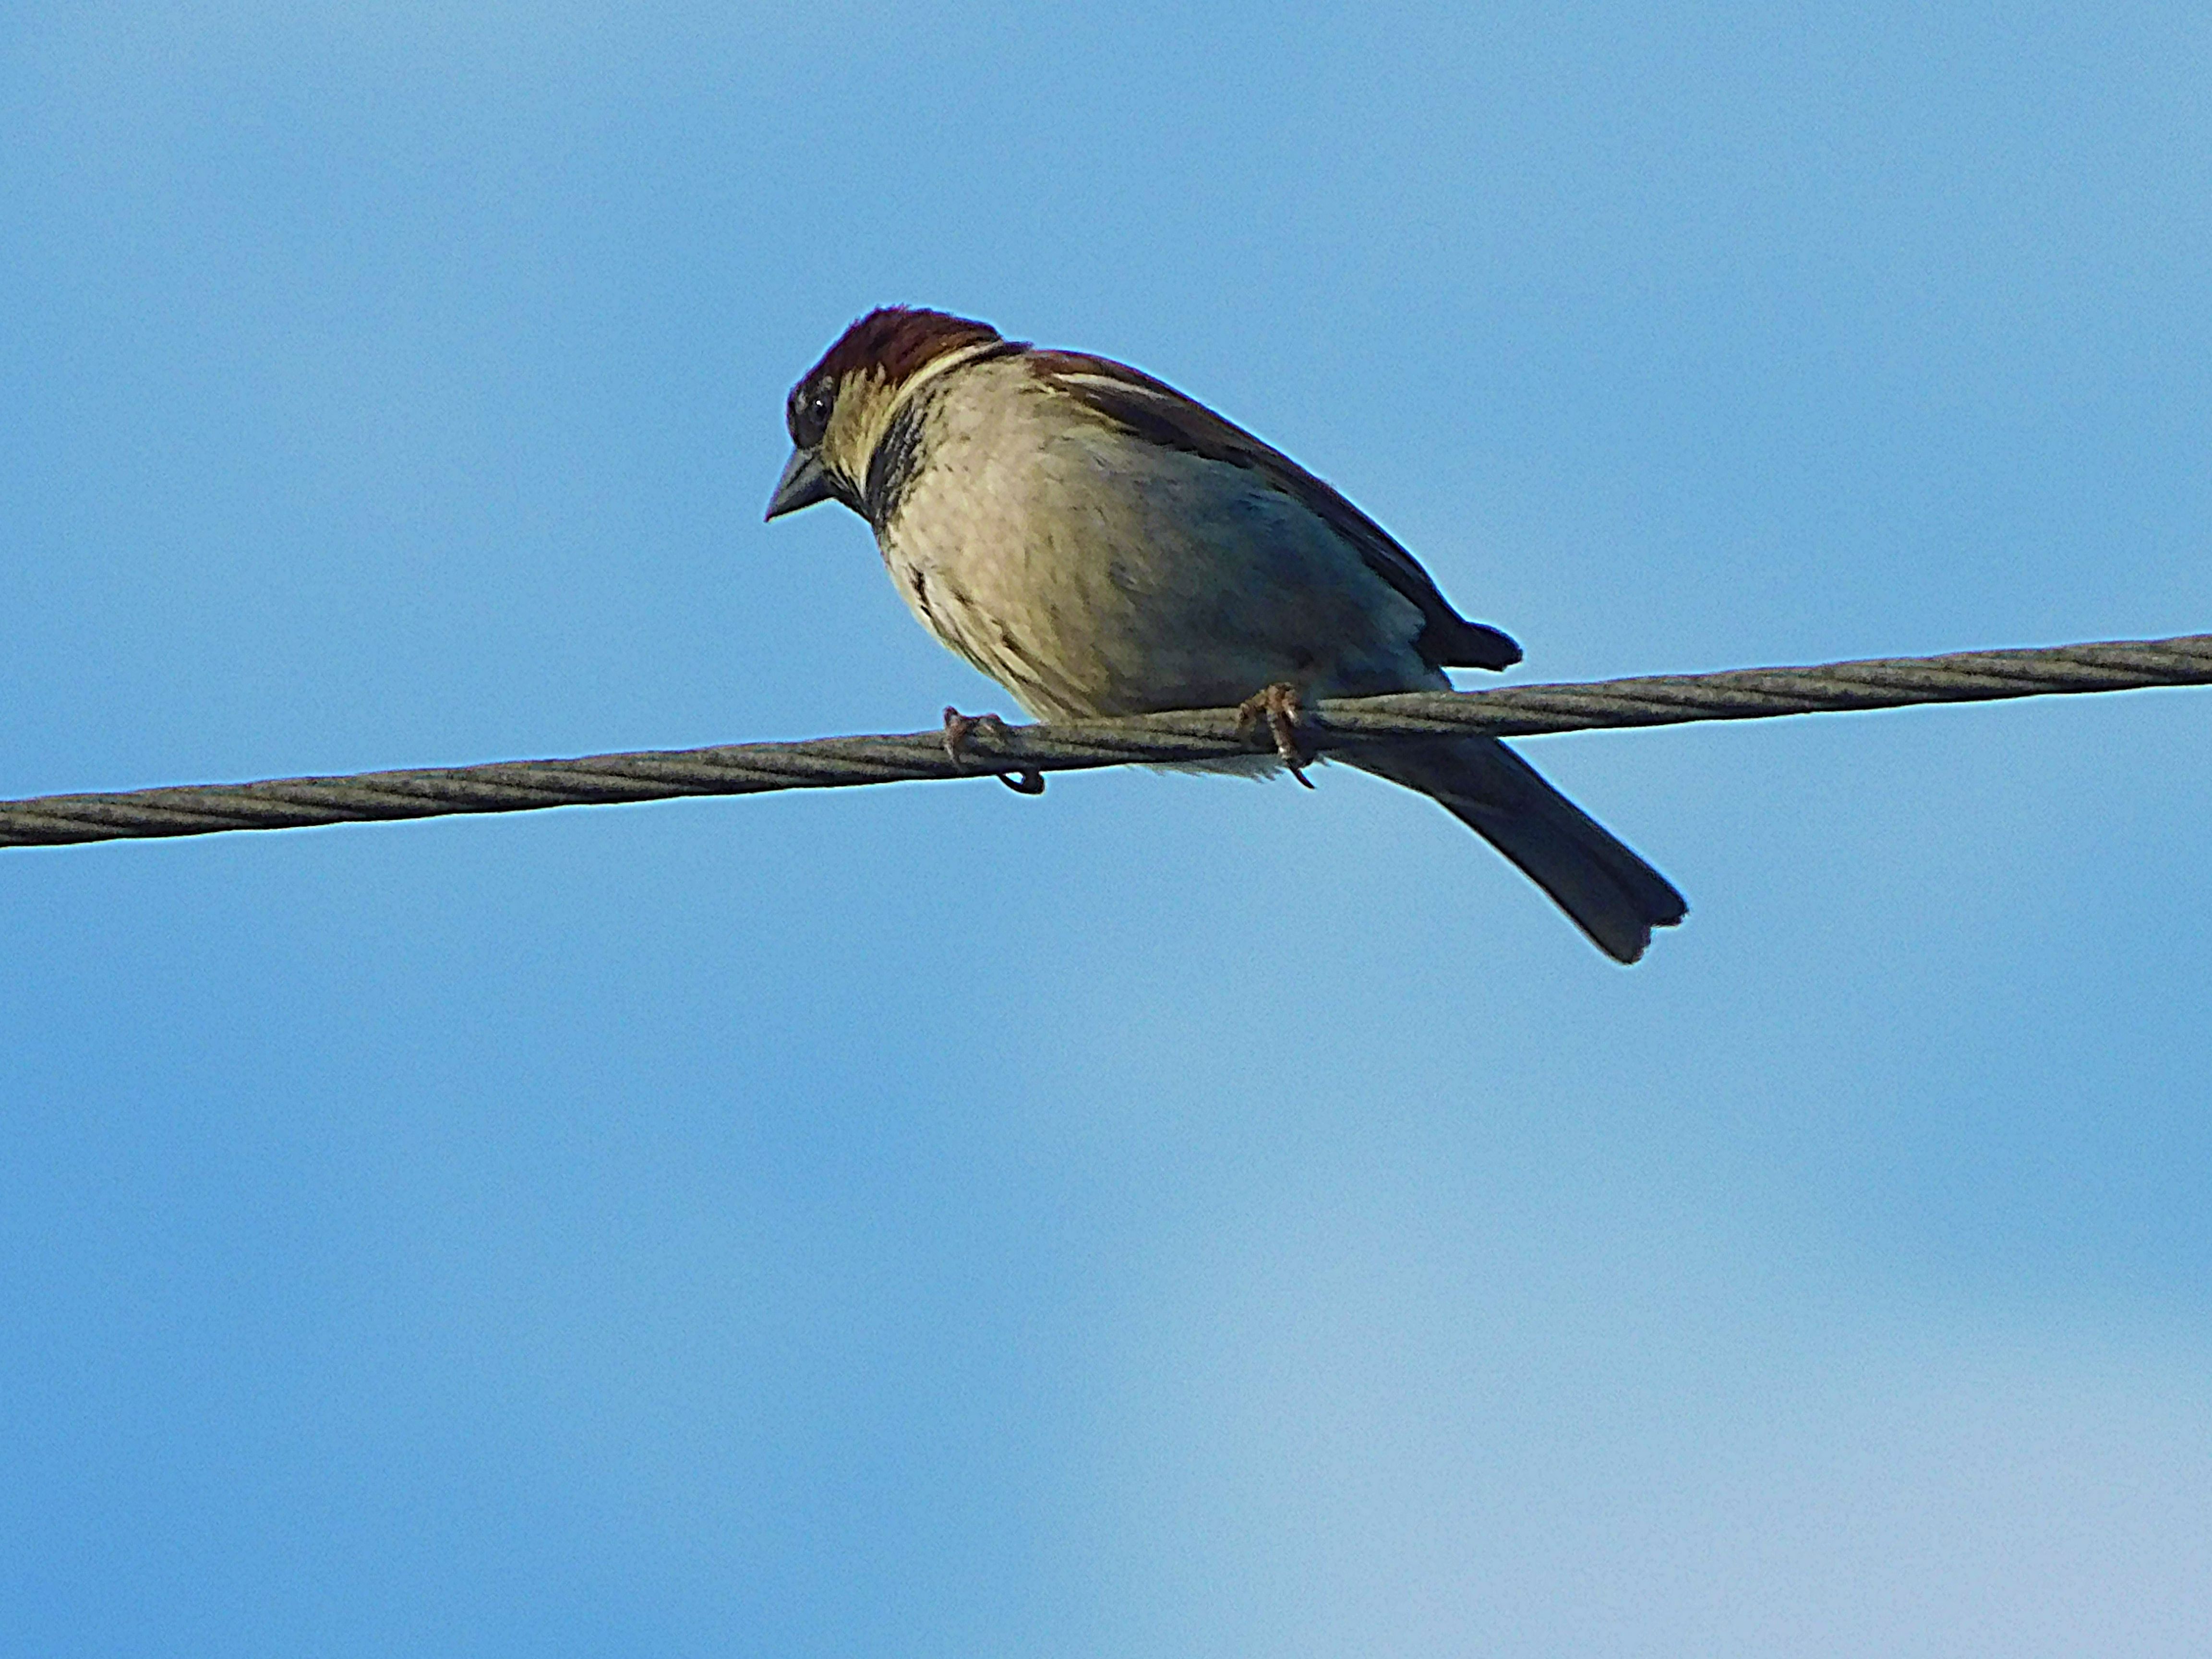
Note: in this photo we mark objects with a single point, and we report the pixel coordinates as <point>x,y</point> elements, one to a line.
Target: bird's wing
<point>1156,412</point>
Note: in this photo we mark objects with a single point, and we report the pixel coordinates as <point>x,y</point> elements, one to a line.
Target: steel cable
<point>1195,736</point>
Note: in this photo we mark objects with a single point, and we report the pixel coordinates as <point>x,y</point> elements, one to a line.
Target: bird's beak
<point>803,484</point>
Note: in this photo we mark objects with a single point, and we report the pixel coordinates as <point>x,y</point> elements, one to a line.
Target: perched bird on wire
<point>1101,544</point>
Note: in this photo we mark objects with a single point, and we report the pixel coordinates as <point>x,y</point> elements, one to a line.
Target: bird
<point>1101,545</point>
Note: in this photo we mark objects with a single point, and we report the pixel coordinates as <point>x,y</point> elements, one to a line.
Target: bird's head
<point>842,407</point>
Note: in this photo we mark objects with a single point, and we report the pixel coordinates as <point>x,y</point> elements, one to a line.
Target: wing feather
<point>1156,412</point>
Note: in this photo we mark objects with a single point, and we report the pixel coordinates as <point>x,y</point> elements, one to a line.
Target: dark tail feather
<point>1612,896</point>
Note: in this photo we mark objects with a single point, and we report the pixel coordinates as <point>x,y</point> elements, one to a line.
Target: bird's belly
<point>1089,583</point>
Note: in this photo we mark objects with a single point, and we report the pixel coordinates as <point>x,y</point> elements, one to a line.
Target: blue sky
<point>1174,1216</point>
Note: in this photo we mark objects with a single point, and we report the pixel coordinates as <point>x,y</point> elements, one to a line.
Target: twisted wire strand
<point>1182,737</point>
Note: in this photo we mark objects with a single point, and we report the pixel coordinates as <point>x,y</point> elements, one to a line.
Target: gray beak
<point>803,484</point>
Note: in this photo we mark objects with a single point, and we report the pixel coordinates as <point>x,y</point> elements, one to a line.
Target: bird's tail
<point>1611,895</point>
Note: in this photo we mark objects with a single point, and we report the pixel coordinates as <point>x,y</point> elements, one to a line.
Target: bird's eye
<point>810,413</point>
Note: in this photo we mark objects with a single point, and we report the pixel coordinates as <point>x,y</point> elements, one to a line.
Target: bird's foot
<point>1279,704</point>
<point>959,727</point>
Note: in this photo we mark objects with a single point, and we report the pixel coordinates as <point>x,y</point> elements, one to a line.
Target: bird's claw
<point>959,727</point>
<point>1279,704</point>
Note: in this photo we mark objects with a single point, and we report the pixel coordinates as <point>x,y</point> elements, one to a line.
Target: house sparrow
<point>1101,544</point>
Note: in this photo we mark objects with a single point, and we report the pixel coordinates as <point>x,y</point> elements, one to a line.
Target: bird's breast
<point>1093,573</point>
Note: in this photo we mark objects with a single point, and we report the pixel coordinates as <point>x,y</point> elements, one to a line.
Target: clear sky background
<point>1176,1216</point>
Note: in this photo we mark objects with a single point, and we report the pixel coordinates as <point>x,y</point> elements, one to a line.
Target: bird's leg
<point>1279,703</point>
<point>958,727</point>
